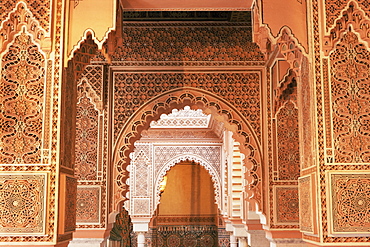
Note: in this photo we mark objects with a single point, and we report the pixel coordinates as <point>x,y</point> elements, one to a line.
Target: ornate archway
<point>210,104</point>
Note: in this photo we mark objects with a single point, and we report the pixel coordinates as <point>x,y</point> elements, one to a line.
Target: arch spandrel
<point>197,99</point>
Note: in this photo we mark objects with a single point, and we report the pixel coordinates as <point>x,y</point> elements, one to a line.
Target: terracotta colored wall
<point>291,13</point>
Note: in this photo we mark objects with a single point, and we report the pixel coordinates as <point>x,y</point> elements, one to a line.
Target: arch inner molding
<point>150,162</point>
<point>197,99</point>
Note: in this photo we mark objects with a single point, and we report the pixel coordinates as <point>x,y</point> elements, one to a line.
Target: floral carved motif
<point>288,142</point>
<point>22,204</point>
<point>21,102</point>
<point>86,140</point>
<point>88,202</point>
<point>351,202</point>
<point>287,210</point>
<point>350,93</point>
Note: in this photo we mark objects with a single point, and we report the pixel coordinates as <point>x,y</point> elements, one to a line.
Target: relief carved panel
<point>350,76</point>
<point>287,205</point>
<point>21,102</point>
<point>22,204</point>
<point>305,204</point>
<point>350,195</point>
<point>288,142</point>
<point>88,205</point>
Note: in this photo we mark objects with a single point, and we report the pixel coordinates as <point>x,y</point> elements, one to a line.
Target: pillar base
<point>288,238</point>
<point>288,242</point>
<point>88,242</point>
<point>258,238</point>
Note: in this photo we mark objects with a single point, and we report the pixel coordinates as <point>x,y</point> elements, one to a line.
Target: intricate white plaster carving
<point>185,118</point>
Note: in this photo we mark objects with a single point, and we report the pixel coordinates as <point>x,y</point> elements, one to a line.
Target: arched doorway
<point>187,214</point>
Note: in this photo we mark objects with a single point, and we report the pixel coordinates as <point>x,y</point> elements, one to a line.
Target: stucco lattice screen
<point>150,163</point>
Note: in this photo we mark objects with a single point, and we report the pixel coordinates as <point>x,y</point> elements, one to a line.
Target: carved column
<point>233,241</point>
<point>140,239</point>
<point>38,188</point>
<point>334,185</point>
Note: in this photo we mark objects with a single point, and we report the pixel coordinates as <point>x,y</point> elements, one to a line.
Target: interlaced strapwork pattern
<point>94,74</point>
<point>351,200</point>
<point>288,206</point>
<point>132,90</point>
<point>86,140</point>
<point>288,142</point>
<point>22,204</point>
<point>21,102</point>
<point>88,202</point>
<point>351,100</point>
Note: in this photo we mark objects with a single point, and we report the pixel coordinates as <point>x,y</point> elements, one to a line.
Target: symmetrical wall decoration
<point>176,236</point>
<point>136,97</point>
<point>134,89</point>
<point>150,163</point>
<point>22,204</point>
<point>334,8</point>
<point>350,199</point>
<point>91,147</point>
<point>284,81</point>
<point>164,155</point>
<point>88,205</point>
<point>350,100</point>
<point>185,118</point>
<point>288,156</point>
<point>182,97</point>
<point>22,89</point>
<point>347,58</point>
<point>287,204</point>
<point>179,134</point>
<point>18,18</point>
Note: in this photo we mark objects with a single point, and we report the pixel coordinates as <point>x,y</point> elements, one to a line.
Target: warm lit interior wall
<point>95,15</point>
<point>290,13</point>
<point>189,191</point>
<point>186,4</point>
